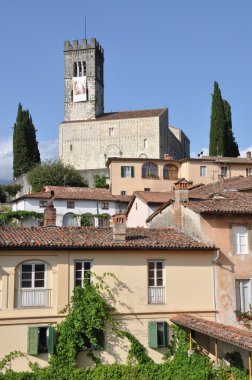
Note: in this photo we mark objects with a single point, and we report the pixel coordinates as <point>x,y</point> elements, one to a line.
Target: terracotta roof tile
<point>77,193</point>
<point>91,237</point>
<point>123,115</point>
<point>225,202</point>
<point>154,196</point>
<point>230,334</point>
<point>219,159</point>
<point>239,183</point>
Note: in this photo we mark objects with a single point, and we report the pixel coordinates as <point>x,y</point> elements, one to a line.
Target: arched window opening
<point>149,170</point>
<point>170,172</point>
<point>70,220</point>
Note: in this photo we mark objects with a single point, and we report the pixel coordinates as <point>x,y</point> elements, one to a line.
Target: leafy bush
<point>54,173</point>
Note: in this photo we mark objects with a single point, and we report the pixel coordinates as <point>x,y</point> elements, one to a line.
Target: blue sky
<point>157,54</point>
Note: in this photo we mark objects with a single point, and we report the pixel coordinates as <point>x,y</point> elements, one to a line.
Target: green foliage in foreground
<point>54,173</point>
<point>9,217</point>
<point>90,309</point>
<point>100,181</point>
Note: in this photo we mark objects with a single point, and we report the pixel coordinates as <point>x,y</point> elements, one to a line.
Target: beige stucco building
<point>163,273</point>
<point>127,175</point>
<point>223,217</point>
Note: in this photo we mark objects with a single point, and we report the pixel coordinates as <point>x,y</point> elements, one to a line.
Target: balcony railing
<point>156,295</point>
<point>27,298</point>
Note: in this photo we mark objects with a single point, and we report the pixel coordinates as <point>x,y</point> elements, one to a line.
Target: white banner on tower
<point>79,89</point>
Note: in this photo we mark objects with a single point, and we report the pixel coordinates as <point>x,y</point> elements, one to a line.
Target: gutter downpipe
<point>215,260</point>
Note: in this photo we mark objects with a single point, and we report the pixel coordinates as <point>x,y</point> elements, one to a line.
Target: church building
<point>88,136</point>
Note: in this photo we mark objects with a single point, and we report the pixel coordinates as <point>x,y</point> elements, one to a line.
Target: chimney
<point>181,195</point>
<point>167,157</point>
<point>50,213</point>
<point>119,228</point>
<point>248,154</point>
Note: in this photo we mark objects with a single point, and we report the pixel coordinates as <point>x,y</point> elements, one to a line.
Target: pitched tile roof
<point>150,197</point>
<point>230,334</point>
<point>226,160</point>
<point>91,237</point>
<point>123,115</point>
<point>225,202</point>
<point>77,193</point>
<point>239,183</point>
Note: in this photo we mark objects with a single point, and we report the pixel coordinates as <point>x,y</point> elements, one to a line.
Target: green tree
<point>100,181</point>
<point>2,195</point>
<point>25,146</point>
<point>54,173</point>
<point>232,146</point>
<point>218,129</point>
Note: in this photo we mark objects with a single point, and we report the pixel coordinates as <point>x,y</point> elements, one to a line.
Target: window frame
<point>170,171</point>
<point>154,336</point>
<point>33,263</point>
<point>33,346</point>
<point>82,271</point>
<point>70,204</point>
<point>42,203</point>
<point>235,235</point>
<point>224,171</point>
<point>240,294</point>
<point>203,171</point>
<point>148,171</point>
<point>155,273</point>
<point>248,172</point>
<point>103,207</point>
<point>127,171</point>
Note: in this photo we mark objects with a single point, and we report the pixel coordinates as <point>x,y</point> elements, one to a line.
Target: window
<point>70,220</point>
<point>84,68</point>
<point>248,172</point>
<point>158,334</point>
<point>147,189</point>
<point>71,147</point>
<point>82,271</point>
<point>145,143</point>
<point>149,170</point>
<point>75,69</point>
<point>127,171</point>
<point>170,172</point>
<point>240,239</point>
<point>99,335</point>
<point>111,132</point>
<point>40,340</point>
<point>104,205</point>
<point>203,171</point>
<point>70,204</point>
<point>32,290</point>
<point>242,288</point>
<point>123,192</point>
<point>42,203</point>
<point>224,171</point>
<point>156,289</point>
<point>103,221</point>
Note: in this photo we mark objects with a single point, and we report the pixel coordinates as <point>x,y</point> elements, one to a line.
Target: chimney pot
<point>50,213</point>
<point>119,228</point>
<point>248,154</point>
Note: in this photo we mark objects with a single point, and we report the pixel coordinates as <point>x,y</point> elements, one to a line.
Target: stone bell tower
<point>84,80</point>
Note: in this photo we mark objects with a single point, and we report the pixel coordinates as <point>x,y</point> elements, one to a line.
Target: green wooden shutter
<point>166,332</point>
<point>132,171</point>
<point>51,340</point>
<point>33,339</point>
<point>122,172</point>
<point>152,327</point>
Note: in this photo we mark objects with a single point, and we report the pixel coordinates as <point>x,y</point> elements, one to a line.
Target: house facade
<point>164,272</point>
<point>225,219</point>
<point>147,174</point>
<point>99,205</point>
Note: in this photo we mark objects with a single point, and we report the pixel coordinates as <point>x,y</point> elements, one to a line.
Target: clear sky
<point>163,53</point>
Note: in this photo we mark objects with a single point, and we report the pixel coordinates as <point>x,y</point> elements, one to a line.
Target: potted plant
<point>238,315</point>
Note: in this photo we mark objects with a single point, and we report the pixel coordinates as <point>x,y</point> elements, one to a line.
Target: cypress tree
<point>232,146</point>
<point>25,146</point>
<point>218,129</point>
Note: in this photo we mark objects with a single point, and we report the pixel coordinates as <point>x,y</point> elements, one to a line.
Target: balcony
<point>33,298</point>
<point>156,295</point>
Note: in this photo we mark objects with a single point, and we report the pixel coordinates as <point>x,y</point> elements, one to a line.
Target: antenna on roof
<point>85,27</point>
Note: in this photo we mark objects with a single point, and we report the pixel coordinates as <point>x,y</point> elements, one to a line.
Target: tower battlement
<point>83,45</point>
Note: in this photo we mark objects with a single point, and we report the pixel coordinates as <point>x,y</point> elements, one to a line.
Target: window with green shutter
<point>40,340</point>
<point>158,334</point>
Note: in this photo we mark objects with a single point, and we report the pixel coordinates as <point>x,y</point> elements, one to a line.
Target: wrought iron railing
<point>29,298</point>
<point>156,295</point>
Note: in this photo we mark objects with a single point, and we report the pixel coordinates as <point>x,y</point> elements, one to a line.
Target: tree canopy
<point>222,141</point>
<point>25,147</point>
<point>54,173</point>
